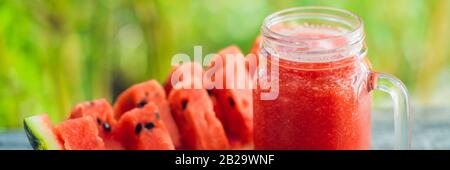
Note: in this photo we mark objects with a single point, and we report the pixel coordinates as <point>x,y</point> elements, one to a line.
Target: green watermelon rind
<point>40,135</point>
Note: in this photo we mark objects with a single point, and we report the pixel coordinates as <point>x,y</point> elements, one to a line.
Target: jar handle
<point>397,90</point>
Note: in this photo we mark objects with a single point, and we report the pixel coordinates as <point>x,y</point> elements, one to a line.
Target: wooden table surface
<point>431,130</point>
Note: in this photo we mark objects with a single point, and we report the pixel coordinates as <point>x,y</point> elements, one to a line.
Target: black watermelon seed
<point>138,129</point>
<point>157,116</point>
<point>91,103</point>
<point>209,92</point>
<point>184,104</point>
<point>146,94</point>
<point>231,101</point>
<point>99,122</point>
<point>150,125</point>
<point>142,103</point>
<point>107,127</point>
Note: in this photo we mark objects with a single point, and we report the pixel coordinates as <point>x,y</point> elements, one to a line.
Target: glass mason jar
<point>314,60</point>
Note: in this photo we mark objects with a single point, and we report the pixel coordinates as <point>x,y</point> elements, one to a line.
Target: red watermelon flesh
<point>199,126</point>
<point>236,108</point>
<point>235,104</point>
<point>142,129</point>
<point>194,69</point>
<point>80,134</point>
<point>148,92</point>
<point>197,73</point>
<point>101,111</point>
<point>237,117</point>
<point>216,65</point>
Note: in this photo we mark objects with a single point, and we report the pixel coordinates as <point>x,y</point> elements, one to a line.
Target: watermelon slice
<point>101,111</point>
<point>215,68</point>
<point>148,92</point>
<point>80,134</point>
<point>41,134</point>
<point>142,129</point>
<point>197,73</point>
<point>237,115</point>
<point>234,104</point>
<point>199,126</point>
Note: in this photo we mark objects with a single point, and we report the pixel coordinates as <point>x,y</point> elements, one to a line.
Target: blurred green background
<point>56,53</point>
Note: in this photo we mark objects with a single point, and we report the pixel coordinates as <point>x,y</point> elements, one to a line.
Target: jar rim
<point>320,10</point>
<point>353,34</point>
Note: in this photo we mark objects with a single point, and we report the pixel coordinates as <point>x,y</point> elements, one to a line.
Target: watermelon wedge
<point>234,103</point>
<point>142,94</point>
<point>143,129</point>
<point>80,134</point>
<point>193,111</point>
<point>41,134</point>
<point>101,111</point>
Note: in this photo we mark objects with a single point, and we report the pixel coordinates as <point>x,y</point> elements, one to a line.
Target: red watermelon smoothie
<point>323,99</point>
